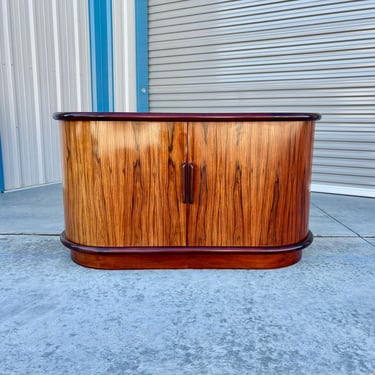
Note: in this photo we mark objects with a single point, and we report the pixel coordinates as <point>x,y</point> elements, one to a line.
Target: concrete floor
<point>316,317</point>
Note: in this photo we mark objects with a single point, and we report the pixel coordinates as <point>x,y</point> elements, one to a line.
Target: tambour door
<point>251,183</point>
<point>122,183</point>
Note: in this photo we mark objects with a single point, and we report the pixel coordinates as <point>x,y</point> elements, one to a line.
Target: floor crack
<point>337,221</point>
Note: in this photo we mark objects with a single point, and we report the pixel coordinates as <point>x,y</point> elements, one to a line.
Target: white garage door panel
<point>287,13</point>
<point>178,78</point>
<point>344,136</point>
<point>272,56</point>
<point>340,180</point>
<point>219,88</point>
<point>354,163</point>
<point>356,94</point>
<point>303,60</point>
<point>44,67</point>
<point>356,157</point>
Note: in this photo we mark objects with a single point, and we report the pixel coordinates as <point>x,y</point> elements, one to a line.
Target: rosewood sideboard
<point>149,190</point>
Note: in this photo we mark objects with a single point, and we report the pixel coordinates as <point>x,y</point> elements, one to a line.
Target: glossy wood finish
<point>183,260</point>
<point>183,117</point>
<point>243,201</point>
<point>186,257</point>
<point>122,183</point>
<point>251,183</point>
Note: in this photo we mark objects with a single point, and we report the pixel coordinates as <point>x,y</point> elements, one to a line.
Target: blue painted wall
<point>141,45</point>
<point>101,55</point>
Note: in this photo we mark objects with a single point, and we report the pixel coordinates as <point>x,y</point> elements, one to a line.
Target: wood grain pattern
<point>122,183</point>
<point>249,195</point>
<point>251,183</point>
<point>186,260</point>
<point>185,257</point>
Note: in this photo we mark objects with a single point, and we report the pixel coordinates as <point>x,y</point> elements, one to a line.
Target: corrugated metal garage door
<point>44,67</point>
<point>268,56</point>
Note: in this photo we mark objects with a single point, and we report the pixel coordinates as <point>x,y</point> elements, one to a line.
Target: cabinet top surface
<point>198,117</point>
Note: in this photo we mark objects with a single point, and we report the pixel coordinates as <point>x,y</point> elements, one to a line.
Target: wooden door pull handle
<point>191,182</point>
<point>187,182</point>
<point>184,182</point>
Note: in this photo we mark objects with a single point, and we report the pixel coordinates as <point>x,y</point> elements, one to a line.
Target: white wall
<point>45,67</point>
<point>124,55</point>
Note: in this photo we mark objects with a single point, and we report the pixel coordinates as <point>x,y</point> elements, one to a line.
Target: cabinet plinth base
<point>117,258</point>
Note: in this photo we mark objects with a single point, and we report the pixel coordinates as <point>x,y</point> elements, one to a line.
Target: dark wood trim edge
<point>184,249</point>
<point>186,257</point>
<point>151,116</point>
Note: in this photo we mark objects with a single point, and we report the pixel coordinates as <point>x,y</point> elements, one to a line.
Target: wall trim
<point>141,53</point>
<point>101,54</point>
<point>343,190</point>
<point>2,184</point>
<point>124,55</point>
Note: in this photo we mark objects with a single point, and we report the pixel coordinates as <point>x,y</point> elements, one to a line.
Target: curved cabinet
<point>186,190</point>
